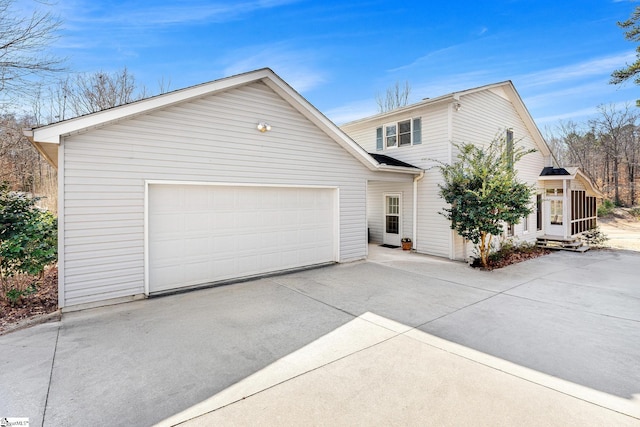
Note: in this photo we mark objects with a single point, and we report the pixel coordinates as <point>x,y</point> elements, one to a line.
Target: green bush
<point>28,238</point>
<point>606,208</point>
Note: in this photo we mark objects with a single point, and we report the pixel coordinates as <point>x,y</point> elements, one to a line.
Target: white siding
<point>433,232</point>
<point>212,139</point>
<point>482,117</point>
<point>375,208</point>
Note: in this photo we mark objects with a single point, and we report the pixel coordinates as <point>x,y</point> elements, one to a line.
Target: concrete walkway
<point>402,339</point>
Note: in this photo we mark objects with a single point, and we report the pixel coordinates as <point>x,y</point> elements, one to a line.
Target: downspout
<point>415,208</point>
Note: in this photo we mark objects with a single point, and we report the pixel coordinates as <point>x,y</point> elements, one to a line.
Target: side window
<point>404,133</point>
<point>399,134</point>
<point>392,136</point>
<point>417,131</point>
<point>510,229</point>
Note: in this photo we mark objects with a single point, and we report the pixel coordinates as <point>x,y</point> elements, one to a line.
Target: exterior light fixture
<point>263,127</point>
<point>457,106</point>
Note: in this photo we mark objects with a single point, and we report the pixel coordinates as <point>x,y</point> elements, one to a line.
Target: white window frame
<point>396,134</point>
<point>510,229</point>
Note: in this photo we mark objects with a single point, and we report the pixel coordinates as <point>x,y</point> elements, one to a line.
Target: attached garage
<point>230,179</point>
<point>202,233</point>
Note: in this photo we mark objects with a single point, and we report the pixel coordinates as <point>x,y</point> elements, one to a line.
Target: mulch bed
<point>511,257</point>
<point>43,301</point>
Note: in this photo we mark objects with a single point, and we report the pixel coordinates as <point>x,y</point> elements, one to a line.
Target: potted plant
<point>406,243</point>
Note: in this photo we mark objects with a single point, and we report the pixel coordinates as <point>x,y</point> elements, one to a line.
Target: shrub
<point>635,212</point>
<point>594,237</point>
<point>606,208</point>
<point>28,238</point>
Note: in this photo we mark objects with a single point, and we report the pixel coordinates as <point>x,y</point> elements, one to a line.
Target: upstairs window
<point>400,134</point>
<point>392,136</point>
<point>404,133</point>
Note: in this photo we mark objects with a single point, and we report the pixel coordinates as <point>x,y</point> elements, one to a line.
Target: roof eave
<point>399,169</point>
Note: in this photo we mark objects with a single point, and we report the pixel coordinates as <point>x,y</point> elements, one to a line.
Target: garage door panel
<point>202,234</point>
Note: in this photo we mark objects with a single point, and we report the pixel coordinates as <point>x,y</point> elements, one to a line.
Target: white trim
<point>148,182</point>
<point>397,194</point>
<point>366,221</point>
<point>336,223</point>
<point>415,209</point>
<point>61,220</point>
<point>146,237</point>
<point>234,184</point>
<point>565,210</point>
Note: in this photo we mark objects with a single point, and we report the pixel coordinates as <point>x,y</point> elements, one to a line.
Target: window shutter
<point>379,141</point>
<point>417,131</point>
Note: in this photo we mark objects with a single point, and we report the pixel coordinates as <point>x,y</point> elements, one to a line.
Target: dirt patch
<point>41,302</point>
<point>622,229</point>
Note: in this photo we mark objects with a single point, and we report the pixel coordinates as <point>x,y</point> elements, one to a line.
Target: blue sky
<point>339,54</point>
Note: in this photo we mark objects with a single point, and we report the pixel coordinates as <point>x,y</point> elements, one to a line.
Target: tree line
<point>606,148</point>
<point>36,89</point>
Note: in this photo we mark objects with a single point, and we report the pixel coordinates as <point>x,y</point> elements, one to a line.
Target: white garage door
<point>200,234</point>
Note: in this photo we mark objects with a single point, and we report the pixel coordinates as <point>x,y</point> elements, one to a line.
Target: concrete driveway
<point>402,339</point>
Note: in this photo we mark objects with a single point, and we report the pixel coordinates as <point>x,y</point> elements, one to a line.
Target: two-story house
<point>425,133</point>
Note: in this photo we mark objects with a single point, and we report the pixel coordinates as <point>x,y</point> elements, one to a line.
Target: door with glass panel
<point>555,221</point>
<point>392,221</point>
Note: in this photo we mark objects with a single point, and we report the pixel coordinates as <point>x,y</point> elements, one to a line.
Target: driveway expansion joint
<point>53,361</point>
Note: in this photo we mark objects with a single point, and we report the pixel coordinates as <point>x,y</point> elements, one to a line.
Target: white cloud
<point>147,15</point>
<point>352,111</point>
<point>431,55</point>
<point>593,67</point>
<point>296,67</point>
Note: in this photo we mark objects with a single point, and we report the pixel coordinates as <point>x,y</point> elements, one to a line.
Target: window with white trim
<point>511,229</point>
<point>399,134</point>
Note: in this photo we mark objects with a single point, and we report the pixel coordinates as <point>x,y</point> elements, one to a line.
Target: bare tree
<point>87,93</point>
<point>20,164</point>
<point>396,96</point>
<point>23,48</point>
<point>98,91</point>
<point>610,128</point>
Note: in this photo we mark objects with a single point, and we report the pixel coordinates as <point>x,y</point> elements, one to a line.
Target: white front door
<point>554,213</point>
<point>392,221</point>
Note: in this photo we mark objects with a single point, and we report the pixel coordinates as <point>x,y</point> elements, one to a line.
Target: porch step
<point>573,244</point>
